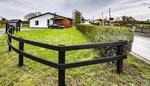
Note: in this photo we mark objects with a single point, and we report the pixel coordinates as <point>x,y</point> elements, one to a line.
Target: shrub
<point>96,34</point>
<point>2,24</point>
<point>25,24</point>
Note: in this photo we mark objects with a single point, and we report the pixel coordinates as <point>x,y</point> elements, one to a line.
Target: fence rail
<point>62,65</point>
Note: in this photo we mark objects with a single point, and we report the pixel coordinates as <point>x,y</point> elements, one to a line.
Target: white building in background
<point>1,17</point>
<point>87,22</point>
<point>46,19</point>
<point>42,21</point>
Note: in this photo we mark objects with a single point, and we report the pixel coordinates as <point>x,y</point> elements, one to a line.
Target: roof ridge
<point>49,13</point>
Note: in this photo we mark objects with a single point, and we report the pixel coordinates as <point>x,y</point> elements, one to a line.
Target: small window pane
<point>36,22</point>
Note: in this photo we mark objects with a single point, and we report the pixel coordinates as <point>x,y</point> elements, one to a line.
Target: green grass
<point>136,72</point>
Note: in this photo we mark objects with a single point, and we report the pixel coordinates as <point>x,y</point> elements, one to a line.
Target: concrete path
<point>141,47</point>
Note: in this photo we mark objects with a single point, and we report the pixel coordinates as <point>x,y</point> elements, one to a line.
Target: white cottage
<point>42,21</point>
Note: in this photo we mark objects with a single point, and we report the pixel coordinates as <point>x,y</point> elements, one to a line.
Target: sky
<point>90,9</point>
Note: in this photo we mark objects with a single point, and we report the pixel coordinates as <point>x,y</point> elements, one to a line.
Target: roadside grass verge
<point>136,72</point>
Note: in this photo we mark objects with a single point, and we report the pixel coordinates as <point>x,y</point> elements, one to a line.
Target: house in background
<point>46,19</point>
<point>63,21</point>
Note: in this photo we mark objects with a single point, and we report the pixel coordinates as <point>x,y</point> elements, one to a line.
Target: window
<point>47,21</point>
<point>36,22</point>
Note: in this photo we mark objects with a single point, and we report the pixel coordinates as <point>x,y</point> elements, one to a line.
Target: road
<point>2,30</point>
<point>141,47</point>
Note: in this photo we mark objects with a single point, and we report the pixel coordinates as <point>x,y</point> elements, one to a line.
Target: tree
<point>77,17</point>
<point>126,20</point>
<point>4,19</point>
<point>33,14</point>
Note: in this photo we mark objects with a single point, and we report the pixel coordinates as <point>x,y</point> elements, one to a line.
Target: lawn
<point>136,72</point>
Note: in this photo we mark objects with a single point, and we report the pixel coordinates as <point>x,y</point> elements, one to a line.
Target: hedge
<point>96,34</point>
<point>2,24</point>
<point>143,28</point>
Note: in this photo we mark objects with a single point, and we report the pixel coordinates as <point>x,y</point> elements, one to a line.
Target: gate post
<point>119,62</point>
<point>61,72</point>
<point>21,47</point>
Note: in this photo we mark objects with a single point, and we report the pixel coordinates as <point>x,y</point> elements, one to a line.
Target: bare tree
<point>32,14</point>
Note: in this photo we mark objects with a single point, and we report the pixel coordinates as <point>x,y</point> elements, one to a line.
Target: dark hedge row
<point>96,34</point>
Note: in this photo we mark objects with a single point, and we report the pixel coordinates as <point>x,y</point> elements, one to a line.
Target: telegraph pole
<point>102,18</point>
<point>110,16</point>
<point>93,19</point>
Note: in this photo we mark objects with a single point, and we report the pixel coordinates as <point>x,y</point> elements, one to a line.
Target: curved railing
<point>61,65</point>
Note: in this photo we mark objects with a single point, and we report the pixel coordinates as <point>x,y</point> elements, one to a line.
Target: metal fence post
<point>119,62</point>
<point>61,72</point>
<point>21,47</point>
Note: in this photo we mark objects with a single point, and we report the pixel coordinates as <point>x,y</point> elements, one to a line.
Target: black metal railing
<point>62,65</point>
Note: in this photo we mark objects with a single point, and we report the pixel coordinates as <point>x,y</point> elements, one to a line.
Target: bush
<point>2,24</point>
<point>96,34</point>
<point>25,24</point>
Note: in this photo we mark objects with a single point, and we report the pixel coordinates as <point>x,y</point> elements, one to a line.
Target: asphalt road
<point>2,30</point>
<point>141,46</point>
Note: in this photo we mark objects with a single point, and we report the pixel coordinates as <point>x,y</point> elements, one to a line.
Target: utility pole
<point>110,16</point>
<point>93,19</point>
<point>102,18</point>
<point>109,13</point>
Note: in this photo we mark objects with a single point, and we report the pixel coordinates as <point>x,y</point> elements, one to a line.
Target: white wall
<point>1,17</point>
<point>42,21</point>
<point>86,22</point>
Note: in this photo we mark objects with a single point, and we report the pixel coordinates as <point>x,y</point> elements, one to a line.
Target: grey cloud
<point>18,8</point>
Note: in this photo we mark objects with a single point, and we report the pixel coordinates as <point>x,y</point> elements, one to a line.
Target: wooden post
<point>7,26</point>
<point>9,38</point>
<point>21,48</point>
<point>16,29</point>
<point>61,72</point>
<point>13,29</point>
<point>119,62</point>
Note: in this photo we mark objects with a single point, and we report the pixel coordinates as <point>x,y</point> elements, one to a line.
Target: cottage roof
<point>51,14</point>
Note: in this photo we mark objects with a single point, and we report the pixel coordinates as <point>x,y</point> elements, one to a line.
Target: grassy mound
<point>136,72</point>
